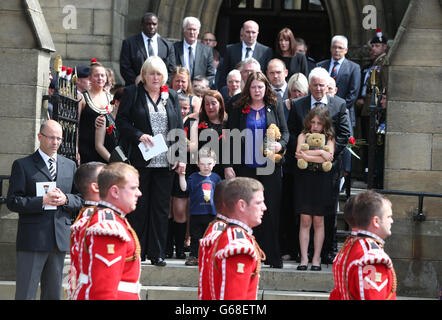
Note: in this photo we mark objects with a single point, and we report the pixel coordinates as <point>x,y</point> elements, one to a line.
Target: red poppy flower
<point>164,89</point>
<point>110,129</point>
<point>93,60</point>
<point>203,125</point>
<point>246,110</point>
<point>186,129</point>
<point>108,109</point>
<point>352,140</point>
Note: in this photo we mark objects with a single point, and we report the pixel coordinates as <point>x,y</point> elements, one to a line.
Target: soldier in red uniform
<point>109,249</point>
<point>235,257</point>
<point>86,182</point>
<point>362,270</point>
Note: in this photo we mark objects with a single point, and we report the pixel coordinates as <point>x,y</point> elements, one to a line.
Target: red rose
<point>246,110</point>
<point>352,141</point>
<point>203,125</point>
<point>164,89</point>
<point>110,129</point>
<point>93,60</point>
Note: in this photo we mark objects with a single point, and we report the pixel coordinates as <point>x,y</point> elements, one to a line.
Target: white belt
<point>131,287</point>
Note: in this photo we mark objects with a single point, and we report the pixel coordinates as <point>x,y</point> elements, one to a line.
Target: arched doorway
<point>308,19</point>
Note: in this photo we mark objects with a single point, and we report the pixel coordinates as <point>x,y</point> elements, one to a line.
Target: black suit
<point>39,230</point>
<point>233,55</point>
<point>266,233</point>
<point>150,218</point>
<point>203,64</point>
<point>336,106</point>
<point>133,54</point>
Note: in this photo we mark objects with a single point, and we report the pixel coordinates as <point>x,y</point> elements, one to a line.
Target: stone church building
<point>33,32</point>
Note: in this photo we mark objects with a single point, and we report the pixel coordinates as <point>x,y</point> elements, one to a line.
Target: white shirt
<point>244,50</point>
<point>283,89</point>
<point>153,43</point>
<point>45,158</point>
<point>186,53</point>
<point>313,101</point>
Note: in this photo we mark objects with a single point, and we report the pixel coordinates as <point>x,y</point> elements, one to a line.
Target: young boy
<point>201,187</point>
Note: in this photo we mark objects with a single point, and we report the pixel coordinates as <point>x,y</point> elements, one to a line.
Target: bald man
<point>44,217</point>
<point>248,47</point>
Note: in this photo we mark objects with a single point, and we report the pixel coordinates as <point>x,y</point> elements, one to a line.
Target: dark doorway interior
<point>308,19</point>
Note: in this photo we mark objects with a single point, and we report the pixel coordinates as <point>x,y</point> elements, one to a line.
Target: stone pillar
<point>25,77</point>
<point>413,148</point>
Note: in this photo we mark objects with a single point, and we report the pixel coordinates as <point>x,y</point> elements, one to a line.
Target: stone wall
<point>413,147</point>
<point>84,29</point>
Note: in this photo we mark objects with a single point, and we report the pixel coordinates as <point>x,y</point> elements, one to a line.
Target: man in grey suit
<point>246,48</point>
<point>43,232</point>
<point>136,49</point>
<point>299,109</point>
<point>192,54</point>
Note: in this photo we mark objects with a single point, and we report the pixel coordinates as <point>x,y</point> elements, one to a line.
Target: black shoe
<point>276,265</point>
<point>315,268</point>
<point>159,262</point>
<point>301,268</point>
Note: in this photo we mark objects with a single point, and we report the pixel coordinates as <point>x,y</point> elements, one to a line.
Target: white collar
<point>90,203</point>
<point>340,61</point>
<point>372,235</point>
<point>283,88</point>
<point>46,157</point>
<point>242,225</point>
<point>244,46</point>
<point>111,206</point>
<point>324,100</point>
<point>155,36</point>
<point>186,45</point>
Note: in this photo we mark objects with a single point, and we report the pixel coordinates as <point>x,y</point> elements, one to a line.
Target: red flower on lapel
<point>246,109</point>
<point>110,129</point>
<point>203,125</point>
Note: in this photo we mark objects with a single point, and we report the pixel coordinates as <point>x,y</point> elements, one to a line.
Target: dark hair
<point>222,110</point>
<point>323,116</point>
<point>366,205</point>
<point>218,195</point>
<point>86,174</point>
<point>286,34</point>
<point>148,15</point>
<point>245,99</point>
<point>118,94</point>
<point>348,211</point>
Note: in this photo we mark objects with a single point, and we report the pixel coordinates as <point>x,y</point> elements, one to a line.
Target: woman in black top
<point>285,48</point>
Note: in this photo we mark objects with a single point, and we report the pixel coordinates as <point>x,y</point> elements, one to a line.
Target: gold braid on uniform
<point>137,252</point>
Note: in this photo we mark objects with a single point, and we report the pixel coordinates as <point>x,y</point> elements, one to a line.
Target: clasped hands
<point>54,198</point>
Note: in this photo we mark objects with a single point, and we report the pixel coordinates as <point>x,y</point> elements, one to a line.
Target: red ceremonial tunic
<point>109,258</point>
<point>212,233</point>
<point>235,264</point>
<point>77,233</point>
<point>362,270</point>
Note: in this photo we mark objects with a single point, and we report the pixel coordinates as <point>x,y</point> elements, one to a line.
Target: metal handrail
<point>420,216</point>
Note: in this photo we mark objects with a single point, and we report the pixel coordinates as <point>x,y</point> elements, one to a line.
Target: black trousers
<point>267,234</point>
<point>150,218</point>
<point>197,227</point>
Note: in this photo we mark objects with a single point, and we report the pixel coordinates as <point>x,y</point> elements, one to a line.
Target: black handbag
<point>118,155</point>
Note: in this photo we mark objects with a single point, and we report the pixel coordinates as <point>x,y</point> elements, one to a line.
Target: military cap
<point>82,71</point>
<point>379,38</point>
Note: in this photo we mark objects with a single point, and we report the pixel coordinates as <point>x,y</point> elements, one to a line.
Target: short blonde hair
<point>299,81</point>
<point>154,63</point>
<point>114,174</point>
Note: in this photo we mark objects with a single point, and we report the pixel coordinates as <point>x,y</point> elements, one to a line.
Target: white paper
<point>158,148</point>
<point>44,187</point>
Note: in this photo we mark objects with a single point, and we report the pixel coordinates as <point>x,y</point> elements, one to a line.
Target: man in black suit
<point>248,47</point>
<point>300,107</point>
<point>43,232</point>
<point>192,54</point>
<point>276,73</point>
<point>136,49</point>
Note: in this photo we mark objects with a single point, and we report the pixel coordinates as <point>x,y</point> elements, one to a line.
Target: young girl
<point>313,188</point>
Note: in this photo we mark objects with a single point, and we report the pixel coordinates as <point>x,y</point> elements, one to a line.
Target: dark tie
<point>319,104</point>
<point>334,72</point>
<point>191,62</point>
<point>149,47</point>
<point>279,92</point>
<point>52,170</point>
<point>248,51</point>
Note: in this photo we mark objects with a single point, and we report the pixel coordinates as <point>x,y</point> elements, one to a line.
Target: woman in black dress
<point>96,102</point>
<point>285,48</point>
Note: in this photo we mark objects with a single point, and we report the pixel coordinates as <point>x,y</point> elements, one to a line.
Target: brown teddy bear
<point>273,134</point>
<point>314,141</point>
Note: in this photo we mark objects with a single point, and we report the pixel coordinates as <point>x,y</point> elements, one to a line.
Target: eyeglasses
<point>52,137</point>
<point>209,40</point>
<point>337,47</point>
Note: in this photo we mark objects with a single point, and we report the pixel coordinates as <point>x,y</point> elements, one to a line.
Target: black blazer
<point>233,55</point>
<point>133,54</point>
<point>274,114</point>
<point>299,108</point>
<point>133,120</point>
<point>39,229</point>
<point>296,64</point>
<point>203,60</point>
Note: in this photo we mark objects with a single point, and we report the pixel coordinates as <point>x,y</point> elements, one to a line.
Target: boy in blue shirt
<point>201,187</point>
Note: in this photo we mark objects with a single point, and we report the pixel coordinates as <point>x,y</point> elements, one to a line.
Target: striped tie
<point>334,72</point>
<point>52,169</point>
